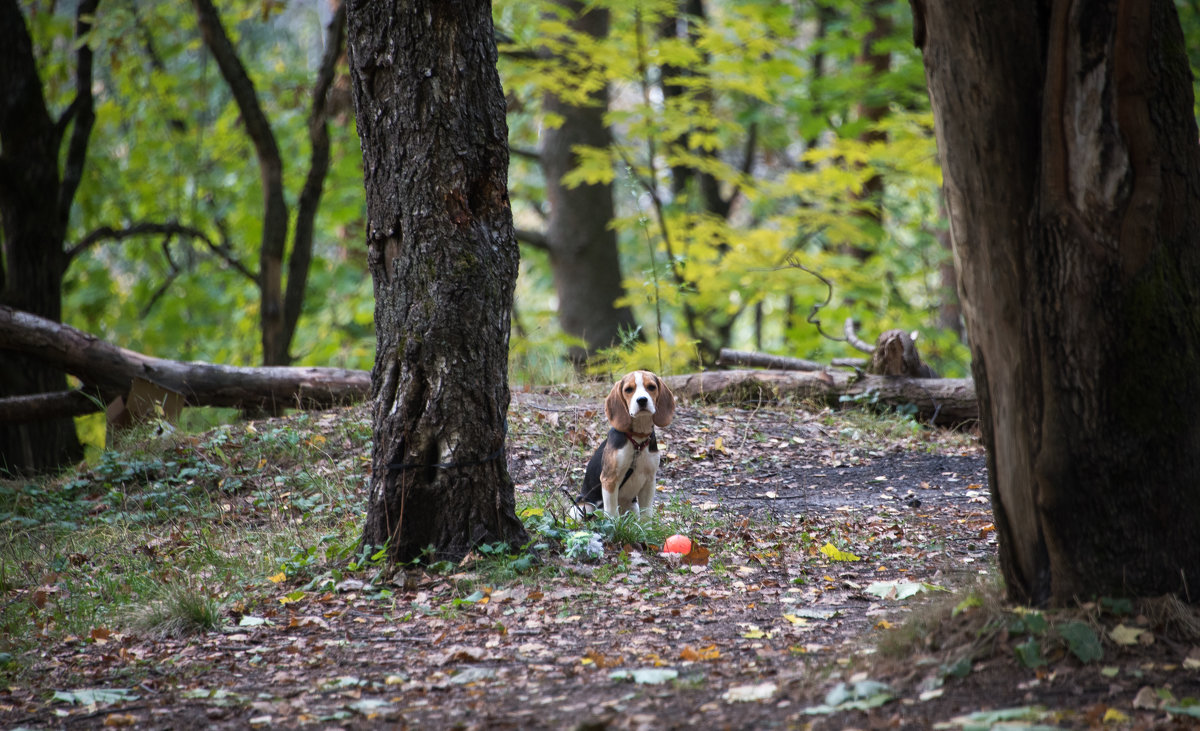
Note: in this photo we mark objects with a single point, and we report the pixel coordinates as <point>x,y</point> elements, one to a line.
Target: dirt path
<point>804,516</point>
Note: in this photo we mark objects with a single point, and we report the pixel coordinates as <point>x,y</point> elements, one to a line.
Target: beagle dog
<point>623,469</point>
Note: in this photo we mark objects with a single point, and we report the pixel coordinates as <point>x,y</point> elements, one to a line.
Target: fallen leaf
<point>858,696</point>
<point>1123,635</point>
<point>473,675</point>
<point>94,696</point>
<point>251,621</point>
<point>1146,699</point>
<point>1001,718</point>
<point>645,676</point>
<point>698,556</point>
<point>292,597</point>
<point>1112,715</point>
<point>834,554</point>
<point>120,719</point>
<point>695,655</point>
<point>275,579</point>
<point>900,589</point>
<point>749,693</point>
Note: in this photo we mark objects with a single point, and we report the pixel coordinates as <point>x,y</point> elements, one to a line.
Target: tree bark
<point>729,357</point>
<point>871,110</point>
<point>942,401</point>
<point>109,371</point>
<point>1072,172</point>
<point>579,238</point>
<point>35,204</point>
<point>443,257</point>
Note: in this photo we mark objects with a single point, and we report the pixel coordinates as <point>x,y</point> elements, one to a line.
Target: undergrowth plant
<point>160,534</point>
<point>176,610</point>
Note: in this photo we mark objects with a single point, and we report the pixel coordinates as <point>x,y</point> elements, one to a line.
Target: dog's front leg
<point>645,499</point>
<point>610,500</point>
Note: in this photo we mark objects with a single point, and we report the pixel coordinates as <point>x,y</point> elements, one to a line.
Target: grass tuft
<point>178,611</point>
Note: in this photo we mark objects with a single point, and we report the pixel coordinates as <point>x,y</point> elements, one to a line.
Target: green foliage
<point>846,192</point>
<point>169,145</point>
<point>711,278</point>
<point>165,533</point>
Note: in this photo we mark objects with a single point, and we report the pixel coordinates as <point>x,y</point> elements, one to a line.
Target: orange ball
<point>677,544</point>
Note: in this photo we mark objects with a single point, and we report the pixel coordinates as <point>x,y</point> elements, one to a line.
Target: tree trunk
<point>443,257</point>
<point>579,238</point>
<point>872,109</point>
<point>1072,172</point>
<point>35,203</point>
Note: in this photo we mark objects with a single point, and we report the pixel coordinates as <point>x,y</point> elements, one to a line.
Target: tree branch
<point>150,228</point>
<point>57,405</point>
<point>275,214</point>
<point>536,239</point>
<point>310,194</point>
<point>533,155</point>
<point>82,110</point>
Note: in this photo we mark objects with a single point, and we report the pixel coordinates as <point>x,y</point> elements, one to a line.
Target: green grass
<point>160,534</point>
<point>177,610</point>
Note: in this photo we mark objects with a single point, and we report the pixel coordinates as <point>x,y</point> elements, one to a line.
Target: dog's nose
<point>642,400</point>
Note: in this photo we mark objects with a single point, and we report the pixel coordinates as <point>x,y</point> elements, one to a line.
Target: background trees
<point>737,138</point>
<point>740,138</point>
<point>38,183</point>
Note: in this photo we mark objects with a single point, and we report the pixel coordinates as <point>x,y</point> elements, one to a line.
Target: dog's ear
<point>664,404</point>
<point>616,410</point>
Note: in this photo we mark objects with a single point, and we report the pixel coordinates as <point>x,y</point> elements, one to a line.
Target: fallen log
<point>111,370</point>
<point>751,359</point>
<point>943,401</point>
<point>56,405</point>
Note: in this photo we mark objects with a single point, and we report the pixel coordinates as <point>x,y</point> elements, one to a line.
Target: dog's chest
<point>640,464</point>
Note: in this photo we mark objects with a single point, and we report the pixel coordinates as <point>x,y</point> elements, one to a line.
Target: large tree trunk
<point>443,257</point>
<point>35,203</point>
<point>579,238</point>
<point>1072,173</point>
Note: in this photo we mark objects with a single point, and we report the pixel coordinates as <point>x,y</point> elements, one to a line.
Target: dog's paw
<point>581,511</point>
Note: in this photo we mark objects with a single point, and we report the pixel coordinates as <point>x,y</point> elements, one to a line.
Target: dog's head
<point>639,395</point>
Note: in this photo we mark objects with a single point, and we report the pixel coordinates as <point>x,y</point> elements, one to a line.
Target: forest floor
<point>843,575</point>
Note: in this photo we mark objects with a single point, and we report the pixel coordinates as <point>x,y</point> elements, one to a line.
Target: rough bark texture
<point>896,355</point>
<point>1072,172</point>
<point>35,203</point>
<point>581,243</point>
<point>109,371</point>
<point>443,257</point>
<point>943,401</point>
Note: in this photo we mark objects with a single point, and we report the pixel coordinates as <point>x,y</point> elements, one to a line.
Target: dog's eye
<point>629,389</point>
<point>650,387</point>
